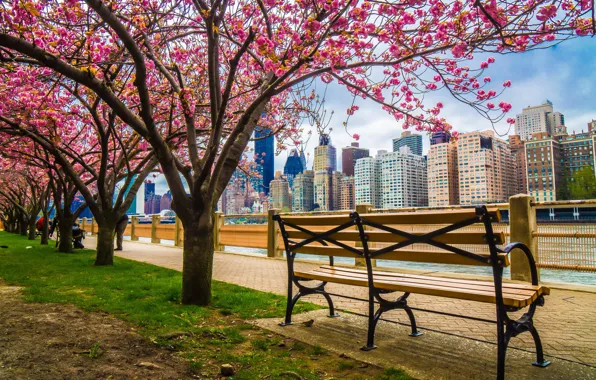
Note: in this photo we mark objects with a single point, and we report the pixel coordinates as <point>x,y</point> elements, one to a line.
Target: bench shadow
<point>429,356</point>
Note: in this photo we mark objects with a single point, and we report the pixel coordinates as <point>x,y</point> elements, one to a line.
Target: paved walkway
<point>567,323</point>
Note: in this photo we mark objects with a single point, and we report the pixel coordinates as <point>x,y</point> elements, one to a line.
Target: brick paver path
<point>567,323</point>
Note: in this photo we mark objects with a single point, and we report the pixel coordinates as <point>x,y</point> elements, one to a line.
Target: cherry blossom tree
<point>22,190</point>
<point>43,178</point>
<point>86,150</point>
<point>194,78</point>
<point>33,169</point>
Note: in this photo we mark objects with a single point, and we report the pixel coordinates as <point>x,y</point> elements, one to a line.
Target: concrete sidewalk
<point>567,323</point>
<point>430,356</point>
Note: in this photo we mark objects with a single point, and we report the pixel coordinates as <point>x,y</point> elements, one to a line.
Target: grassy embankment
<point>148,297</point>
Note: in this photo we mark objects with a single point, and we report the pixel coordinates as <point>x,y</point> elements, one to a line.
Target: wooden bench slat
<point>430,217</point>
<point>327,251</point>
<point>434,281</point>
<point>480,296</point>
<point>441,257</point>
<point>429,279</point>
<point>444,290</point>
<point>418,217</point>
<point>386,237</point>
<point>510,285</point>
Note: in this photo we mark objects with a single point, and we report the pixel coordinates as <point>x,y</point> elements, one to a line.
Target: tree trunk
<point>13,226</point>
<point>23,227</point>
<point>45,230</point>
<point>198,262</point>
<point>32,229</point>
<point>65,227</point>
<point>105,245</point>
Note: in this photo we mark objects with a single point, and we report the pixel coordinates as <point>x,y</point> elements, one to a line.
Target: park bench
<point>384,236</point>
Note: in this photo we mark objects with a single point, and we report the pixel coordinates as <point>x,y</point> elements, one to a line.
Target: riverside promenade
<point>567,323</point>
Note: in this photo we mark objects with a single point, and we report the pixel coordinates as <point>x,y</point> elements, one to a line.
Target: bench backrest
<point>423,236</point>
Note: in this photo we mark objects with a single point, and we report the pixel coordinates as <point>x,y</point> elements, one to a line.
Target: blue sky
<point>564,74</point>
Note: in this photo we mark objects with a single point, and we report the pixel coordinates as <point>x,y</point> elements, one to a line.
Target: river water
<point>546,275</point>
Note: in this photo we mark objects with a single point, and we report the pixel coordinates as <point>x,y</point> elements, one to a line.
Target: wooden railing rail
<point>569,246</point>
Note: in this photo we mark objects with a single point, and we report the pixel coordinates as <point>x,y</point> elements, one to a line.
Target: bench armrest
<point>534,272</point>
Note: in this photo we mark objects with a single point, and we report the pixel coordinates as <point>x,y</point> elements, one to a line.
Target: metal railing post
<point>154,224</point>
<point>134,221</point>
<point>178,233</point>
<point>273,235</point>
<point>522,228</point>
<point>364,209</point>
<point>218,222</point>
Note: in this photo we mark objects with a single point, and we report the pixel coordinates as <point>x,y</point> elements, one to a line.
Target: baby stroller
<point>77,236</point>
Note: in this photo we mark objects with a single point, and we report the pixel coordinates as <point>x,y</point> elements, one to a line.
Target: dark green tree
<point>582,184</point>
<point>563,193</point>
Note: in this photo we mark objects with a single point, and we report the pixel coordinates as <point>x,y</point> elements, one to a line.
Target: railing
<point>569,246</point>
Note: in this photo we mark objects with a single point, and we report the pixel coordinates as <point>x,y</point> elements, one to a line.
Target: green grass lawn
<point>149,297</point>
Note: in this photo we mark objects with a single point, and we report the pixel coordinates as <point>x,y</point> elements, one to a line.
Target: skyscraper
<point>280,193</point>
<point>440,137</point>
<point>349,155</point>
<point>347,194</point>
<point>367,181</point>
<point>443,178</point>
<point>233,201</point>
<point>413,141</point>
<point>325,164</point>
<point>336,179</point>
<point>591,126</point>
<point>149,188</point>
<point>535,119</point>
<point>303,191</point>
<point>166,201</point>
<point>293,166</point>
<point>519,154</point>
<point>149,193</point>
<point>264,158</point>
<point>577,152</point>
<point>403,180</point>
<point>302,159</point>
<point>552,161</point>
<point>323,189</point>
<point>156,204</point>
<point>543,166</point>
<point>486,168</point>
<point>325,155</point>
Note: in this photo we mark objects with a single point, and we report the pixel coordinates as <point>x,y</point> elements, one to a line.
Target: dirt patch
<point>50,341</point>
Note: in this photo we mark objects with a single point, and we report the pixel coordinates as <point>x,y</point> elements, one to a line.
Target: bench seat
<point>514,295</point>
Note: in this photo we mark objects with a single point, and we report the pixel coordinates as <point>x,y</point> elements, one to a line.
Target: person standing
<point>120,228</point>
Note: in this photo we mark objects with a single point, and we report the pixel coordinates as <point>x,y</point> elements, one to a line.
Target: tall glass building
<point>264,158</point>
<point>293,166</point>
<point>412,141</point>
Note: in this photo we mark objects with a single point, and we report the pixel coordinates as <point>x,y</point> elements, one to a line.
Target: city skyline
<point>532,83</point>
<point>161,187</point>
